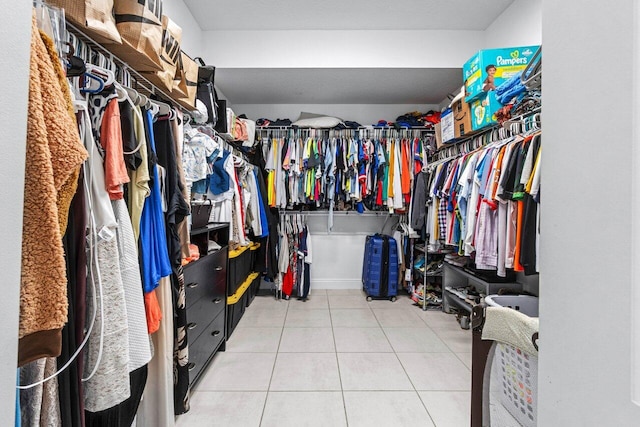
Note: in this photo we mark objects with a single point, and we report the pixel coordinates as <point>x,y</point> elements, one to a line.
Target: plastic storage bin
<point>253,252</point>
<point>239,268</point>
<point>515,371</point>
<point>525,304</point>
<point>253,288</point>
<point>237,303</point>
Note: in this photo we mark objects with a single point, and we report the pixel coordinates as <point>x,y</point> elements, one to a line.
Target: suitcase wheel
<point>369,299</point>
<point>393,299</point>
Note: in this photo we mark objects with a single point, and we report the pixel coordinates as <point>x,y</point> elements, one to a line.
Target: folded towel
<point>509,326</point>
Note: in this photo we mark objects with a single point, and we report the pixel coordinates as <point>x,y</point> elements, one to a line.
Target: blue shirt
<point>153,238</point>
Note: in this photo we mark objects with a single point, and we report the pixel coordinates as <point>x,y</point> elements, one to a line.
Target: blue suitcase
<point>380,267</point>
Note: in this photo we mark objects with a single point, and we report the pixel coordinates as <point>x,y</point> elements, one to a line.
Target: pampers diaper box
<point>483,110</point>
<point>489,68</point>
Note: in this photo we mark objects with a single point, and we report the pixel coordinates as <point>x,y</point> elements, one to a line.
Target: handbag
<point>200,213</point>
<point>207,91</point>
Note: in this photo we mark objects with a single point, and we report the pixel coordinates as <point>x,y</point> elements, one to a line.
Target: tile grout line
<point>335,348</point>
<point>465,365</point>
<point>451,349</point>
<point>404,369</point>
<point>275,360</point>
<point>435,331</point>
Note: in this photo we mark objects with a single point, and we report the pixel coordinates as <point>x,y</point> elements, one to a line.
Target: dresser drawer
<point>202,348</point>
<point>203,277</point>
<point>200,314</point>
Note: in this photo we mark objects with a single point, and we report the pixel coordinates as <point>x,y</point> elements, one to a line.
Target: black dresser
<point>206,297</point>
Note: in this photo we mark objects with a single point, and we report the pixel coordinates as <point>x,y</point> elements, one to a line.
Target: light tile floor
<point>337,360</point>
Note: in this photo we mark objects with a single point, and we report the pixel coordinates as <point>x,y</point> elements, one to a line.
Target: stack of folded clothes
<point>273,123</point>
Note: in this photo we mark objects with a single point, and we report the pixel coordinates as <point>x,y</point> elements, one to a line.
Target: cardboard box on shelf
<point>462,118</point>
<point>447,126</point>
<point>483,111</point>
<point>438,131</point>
<point>488,69</point>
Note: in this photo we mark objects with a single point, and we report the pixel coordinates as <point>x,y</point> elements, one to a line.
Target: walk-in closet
<point>285,213</point>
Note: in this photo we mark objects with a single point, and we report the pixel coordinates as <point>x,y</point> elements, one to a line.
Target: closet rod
<point>424,128</point>
<point>151,89</point>
<point>523,116</point>
<point>447,150</point>
<point>340,213</point>
<point>448,147</point>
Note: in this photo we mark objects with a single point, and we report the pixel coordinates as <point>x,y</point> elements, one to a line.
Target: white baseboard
<point>336,284</point>
<point>326,284</point>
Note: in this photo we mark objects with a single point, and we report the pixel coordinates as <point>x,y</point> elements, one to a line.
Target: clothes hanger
<point>92,84</point>
<point>131,93</point>
<point>142,101</point>
<point>108,76</point>
<point>163,108</point>
<point>122,94</point>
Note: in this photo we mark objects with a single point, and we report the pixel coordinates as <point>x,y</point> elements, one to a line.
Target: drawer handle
<point>191,365</point>
<point>192,325</point>
<point>192,285</point>
<point>217,301</point>
<point>218,268</point>
<point>215,333</point>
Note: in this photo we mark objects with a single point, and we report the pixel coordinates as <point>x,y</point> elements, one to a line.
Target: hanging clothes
<point>115,169</point>
<point>54,154</point>
<point>177,128</point>
<point>109,339</point>
<point>491,207</point>
<point>139,177</point>
<point>70,381</point>
<point>40,405</point>
<point>153,238</point>
<point>327,172</point>
<point>157,406</point>
<point>176,210</point>
<point>139,349</point>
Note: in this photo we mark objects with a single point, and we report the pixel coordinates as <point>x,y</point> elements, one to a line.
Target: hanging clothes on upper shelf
<point>366,169</point>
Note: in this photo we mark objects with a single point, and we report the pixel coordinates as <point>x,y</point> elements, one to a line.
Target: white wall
<point>585,282</point>
<point>337,256</point>
<point>365,114</point>
<point>191,33</point>
<point>519,25</point>
<point>16,27</point>
<point>340,49</point>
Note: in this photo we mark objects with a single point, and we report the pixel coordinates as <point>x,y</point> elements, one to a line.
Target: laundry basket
<point>517,385</point>
<point>504,378</point>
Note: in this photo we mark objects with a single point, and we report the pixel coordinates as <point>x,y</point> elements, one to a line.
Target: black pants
<point>307,280</point>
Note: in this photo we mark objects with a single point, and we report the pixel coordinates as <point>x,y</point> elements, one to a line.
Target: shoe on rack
<point>451,256</point>
<point>460,261</point>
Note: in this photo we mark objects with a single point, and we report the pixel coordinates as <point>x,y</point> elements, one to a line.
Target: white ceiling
<point>338,85</point>
<point>401,85</point>
<point>346,14</point>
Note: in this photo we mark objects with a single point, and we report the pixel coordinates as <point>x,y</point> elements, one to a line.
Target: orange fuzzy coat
<point>53,158</point>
